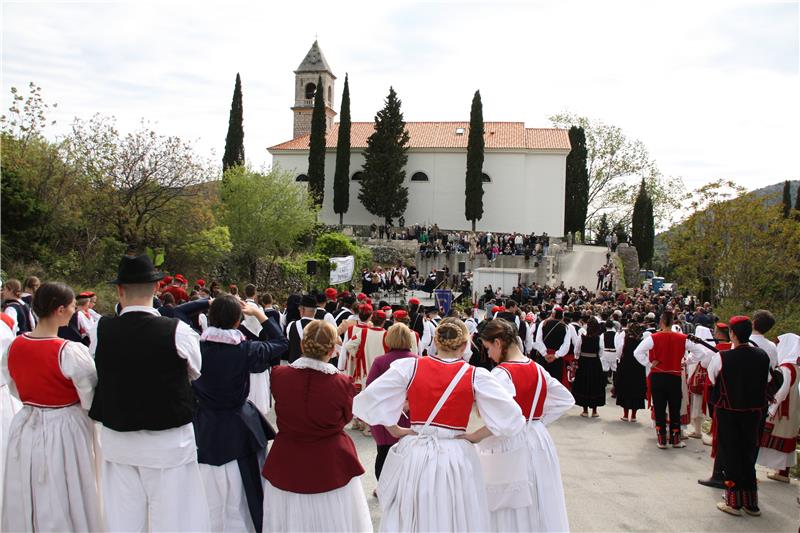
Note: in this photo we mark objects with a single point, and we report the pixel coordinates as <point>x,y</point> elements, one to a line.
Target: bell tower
<point>306,78</point>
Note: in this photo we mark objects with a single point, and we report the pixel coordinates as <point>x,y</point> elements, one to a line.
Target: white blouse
<point>558,401</point>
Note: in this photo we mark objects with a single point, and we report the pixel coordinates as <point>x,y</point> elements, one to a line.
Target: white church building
<point>524,168</point>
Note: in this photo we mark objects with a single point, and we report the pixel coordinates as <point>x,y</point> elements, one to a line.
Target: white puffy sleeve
<point>619,344</point>
<point>497,407</point>
<point>77,365</point>
<point>504,379</point>
<point>782,392</point>
<point>5,375</point>
<point>382,401</point>
<point>559,400</point>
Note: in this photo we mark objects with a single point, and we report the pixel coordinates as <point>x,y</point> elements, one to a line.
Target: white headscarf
<point>703,333</point>
<point>789,349</point>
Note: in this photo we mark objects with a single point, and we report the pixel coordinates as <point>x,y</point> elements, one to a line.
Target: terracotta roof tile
<point>431,135</point>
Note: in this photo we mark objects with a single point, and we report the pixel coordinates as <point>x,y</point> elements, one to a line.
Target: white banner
<point>344,269</point>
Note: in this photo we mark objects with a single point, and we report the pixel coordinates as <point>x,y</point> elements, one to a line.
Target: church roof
<point>449,135</point>
<point>314,61</point>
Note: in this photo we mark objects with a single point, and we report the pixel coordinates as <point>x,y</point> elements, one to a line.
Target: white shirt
<point>156,449</point>
<point>250,322</point>
<point>768,346</point>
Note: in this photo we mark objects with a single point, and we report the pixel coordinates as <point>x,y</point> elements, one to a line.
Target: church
<point>523,169</point>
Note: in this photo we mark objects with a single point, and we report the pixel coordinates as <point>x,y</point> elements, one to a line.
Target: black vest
<point>553,333</point>
<point>142,382</point>
<point>590,344</point>
<point>343,315</point>
<point>23,317</point>
<point>608,340</point>
<point>294,337</point>
<point>742,383</point>
<point>320,314</point>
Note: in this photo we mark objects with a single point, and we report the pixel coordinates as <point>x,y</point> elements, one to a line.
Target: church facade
<point>524,168</point>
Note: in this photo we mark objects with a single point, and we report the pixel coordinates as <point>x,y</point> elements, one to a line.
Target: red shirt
<point>431,377</point>
<point>33,365</point>
<point>311,453</point>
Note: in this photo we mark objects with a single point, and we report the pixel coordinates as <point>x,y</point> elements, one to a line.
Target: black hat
<point>308,301</point>
<point>136,269</point>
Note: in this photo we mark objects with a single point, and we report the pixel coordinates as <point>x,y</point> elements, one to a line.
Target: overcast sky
<point>711,88</point>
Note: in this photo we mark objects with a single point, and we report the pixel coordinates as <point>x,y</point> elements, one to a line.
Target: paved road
<point>580,266</point>
<point>615,479</point>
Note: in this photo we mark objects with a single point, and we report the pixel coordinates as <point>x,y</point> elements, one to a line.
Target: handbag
<point>506,473</point>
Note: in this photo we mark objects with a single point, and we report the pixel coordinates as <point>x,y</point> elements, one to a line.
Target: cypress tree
<point>797,203</point>
<point>234,141</point>
<point>603,230</point>
<point>382,192</point>
<point>341,180</point>
<point>787,199</point>
<point>316,147</point>
<point>473,199</point>
<point>576,194</point>
<point>646,255</point>
<point>639,223</point>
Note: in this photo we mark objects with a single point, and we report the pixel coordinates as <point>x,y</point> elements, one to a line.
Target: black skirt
<point>630,383</point>
<point>589,387</point>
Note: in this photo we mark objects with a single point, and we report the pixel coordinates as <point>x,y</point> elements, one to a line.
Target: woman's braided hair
<point>451,335</point>
<point>319,338</point>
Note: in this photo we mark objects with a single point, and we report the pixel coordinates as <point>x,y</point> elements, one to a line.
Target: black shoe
<point>714,483</point>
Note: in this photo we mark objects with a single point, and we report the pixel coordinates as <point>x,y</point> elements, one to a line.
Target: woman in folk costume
<point>401,317</point>
<point>50,478</point>
<point>589,387</point>
<point>779,440</point>
<point>9,406</point>
<point>698,384</point>
<point>364,346</point>
<point>542,399</point>
<point>312,470</point>
<point>230,431</point>
<point>630,380</point>
<point>400,342</point>
<point>433,481</point>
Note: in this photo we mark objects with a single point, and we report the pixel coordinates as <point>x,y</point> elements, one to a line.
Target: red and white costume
<point>9,406</point>
<point>432,481</point>
<point>50,481</point>
<point>365,344</point>
<point>779,441</point>
<point>548,511</point>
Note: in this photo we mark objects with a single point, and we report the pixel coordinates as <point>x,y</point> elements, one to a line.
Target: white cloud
<point>710,87</point>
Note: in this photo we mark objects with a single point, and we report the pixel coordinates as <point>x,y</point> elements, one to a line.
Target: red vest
<point>8,321</point>
<point>526,376</point>
<point>668,350</point>
<point>33,365</point>
<point>431,377</point>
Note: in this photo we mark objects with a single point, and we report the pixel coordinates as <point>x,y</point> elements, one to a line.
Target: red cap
<point>345,294</point>
<point>86,294</point>
<point>558,308</point>
<point>330,292</point>
<point>738,319</point>
<point>400,314</point>
<point>363,308</point>
<point>369,301</point>
<point>361,296</point>
<point>413,301</point>
<point>167,279</point>
<point>201,282</point>
<point>722,325</point>
<point>499,309</point>
<point>380,314</point>
<point>180,278</point>
<point>232,286</point>
<point>386,308</point>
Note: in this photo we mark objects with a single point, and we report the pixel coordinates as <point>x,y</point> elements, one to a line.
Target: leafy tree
<point>576,194</point>
<point>382,191</point>
<point>787,198</point>
<point>341,180</point>
<point>797,203</point>
<point>620,231</point>
<point>265,213</point>
<point>316,152</point>
<point>642,226</point>
<point>603,230</point>
<point>23,215</point>
<point>473,200</point>
<point>234,141</point>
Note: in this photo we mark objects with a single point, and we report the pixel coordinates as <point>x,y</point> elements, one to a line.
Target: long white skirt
<point>50,478</point>
<point>342,509</point>
<point>9,406</point>
<point>549,511</point>
<point>227,503</point>
<point>776,460</point>
<point>433,482</point>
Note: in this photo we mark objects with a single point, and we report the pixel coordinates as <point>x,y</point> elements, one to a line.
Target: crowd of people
<point>158,410</point>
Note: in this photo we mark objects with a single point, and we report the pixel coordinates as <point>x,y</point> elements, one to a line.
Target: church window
<point>419,176</point>
<point>485,178</point>
<point>357,176</point>
<point>311,88</point>
<point>301,177</point>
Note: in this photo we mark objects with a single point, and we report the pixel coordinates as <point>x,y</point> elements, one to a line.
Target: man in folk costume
<point>663,353</point>
<point>763,321</point>
<point>401,316</point>
<point>698,385</point>
<point>330,300</point>
<point>347,330</point>
<point>177,290</point>
<point>365,344</point>
<point>779,441</point>
<point>294,329</point>
<point>348,309</point>
<point>320,313</point>
<point>250,325</point>
<point>82,310</point>
<point>740,378</point>
<point>416,316</point>
<point>144,401</point>
<point>552,342</point>
<point>432,320</point>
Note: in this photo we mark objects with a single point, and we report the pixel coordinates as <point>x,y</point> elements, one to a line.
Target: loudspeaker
<point>311,268</point>
<point>462,267</point>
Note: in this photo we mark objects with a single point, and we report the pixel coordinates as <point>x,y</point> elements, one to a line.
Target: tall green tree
<point>787,198</point>
<point>473,199</point>
<point>797,203</point>
<point>576,194</point>
<point>603,230</point>
<point>234,141</point>
<point>316,147</point>
<point>643,226</point>
<point>382,191</point>
<point>341,180</point>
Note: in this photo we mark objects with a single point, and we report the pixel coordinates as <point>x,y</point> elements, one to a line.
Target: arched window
<point>485,178</point>
<point>419,176</point>
<point>357,176</point>
<point>301,177</point>
<point>311,88</point>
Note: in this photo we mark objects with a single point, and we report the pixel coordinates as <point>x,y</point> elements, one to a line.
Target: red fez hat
<point>380,314</point>
<point>722,325</point>
<point>386,308</point>
<point>400,314</point>
<point>558,308</point>
<point>738,319</point>
<point>363,308</point>
<point>344,294</point>
<point>330,292</point>
<point>232,286</point>
<point>86,294</point>
<point>499,309</point>
<point>180,278</point>
<point>369,301</point>
<point>167,279</point>
<point>413,301</point>
<point>361,296</point>
<point>201,282</point>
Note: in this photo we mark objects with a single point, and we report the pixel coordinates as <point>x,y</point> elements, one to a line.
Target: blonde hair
<point>319,338</point>
<point>399,337</point>
<point>451,335</point>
